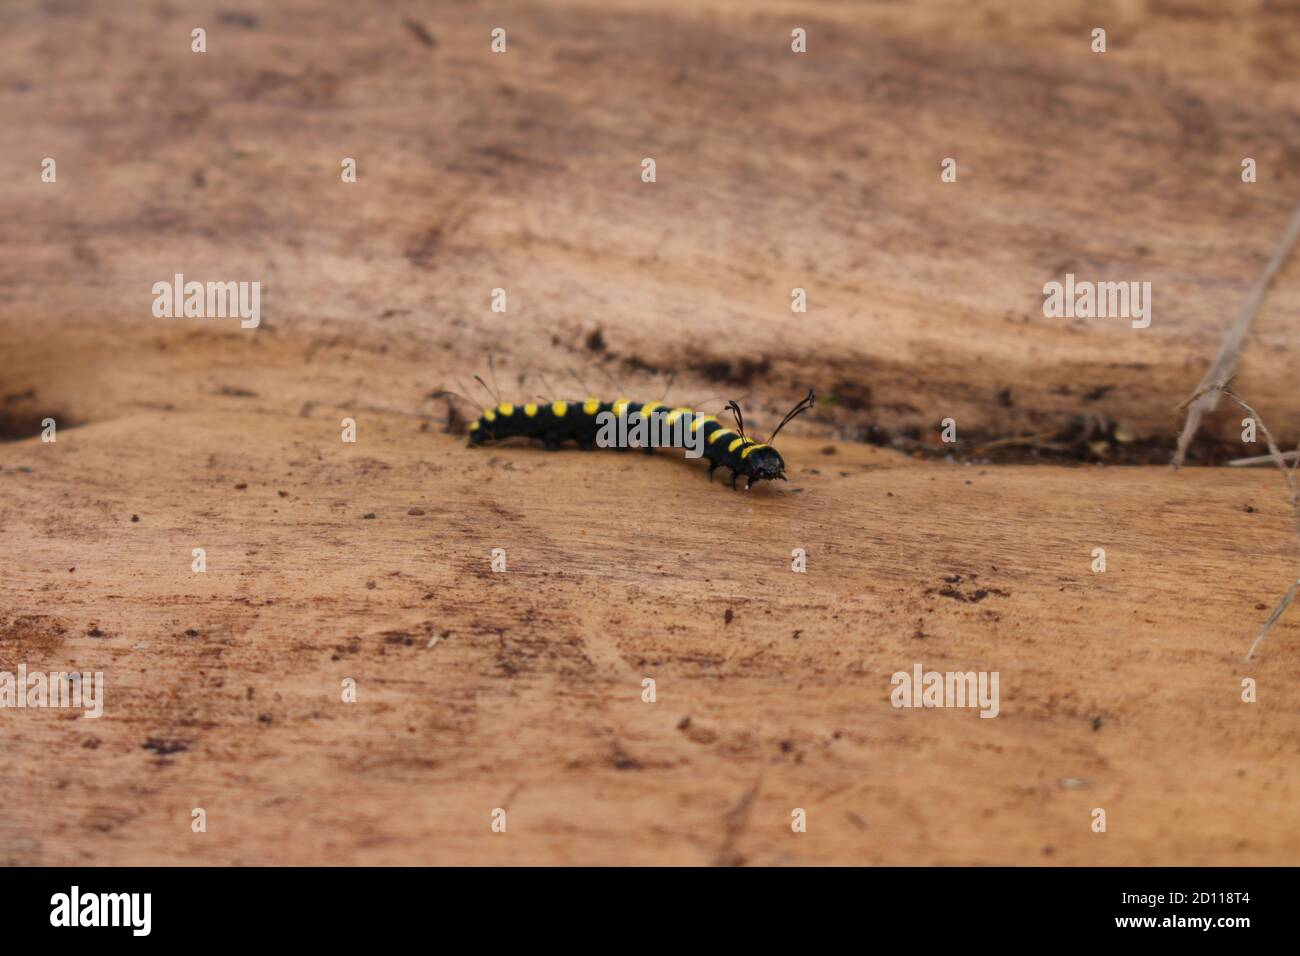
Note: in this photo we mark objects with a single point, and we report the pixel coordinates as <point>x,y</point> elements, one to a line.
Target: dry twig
<point>1276,455</point>
<point>1224,366</point>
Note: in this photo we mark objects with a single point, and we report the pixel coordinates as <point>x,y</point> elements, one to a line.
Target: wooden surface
<point>1118,690</point>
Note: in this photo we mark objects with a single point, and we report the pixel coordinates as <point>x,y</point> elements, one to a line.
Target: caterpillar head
<point>766,464</point>
<point>763,462</point>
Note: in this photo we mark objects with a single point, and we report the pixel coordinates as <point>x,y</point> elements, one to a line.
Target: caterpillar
<point>559,421</point>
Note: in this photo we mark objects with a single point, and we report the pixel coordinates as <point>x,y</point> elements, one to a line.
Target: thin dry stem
<point>1279,459</point>
<point>1224,366</point>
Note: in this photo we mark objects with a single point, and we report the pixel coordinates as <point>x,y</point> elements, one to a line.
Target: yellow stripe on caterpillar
<point>556,427</point>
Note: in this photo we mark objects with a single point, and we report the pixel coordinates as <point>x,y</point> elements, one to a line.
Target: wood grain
<point>522,690</point>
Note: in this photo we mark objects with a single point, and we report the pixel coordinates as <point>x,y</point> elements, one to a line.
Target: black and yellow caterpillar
<point>561,421</point>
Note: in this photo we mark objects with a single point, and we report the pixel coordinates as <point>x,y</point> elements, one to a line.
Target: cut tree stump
<point>523,690</point>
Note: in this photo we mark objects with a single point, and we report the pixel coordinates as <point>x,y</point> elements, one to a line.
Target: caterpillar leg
<point>749,484</point>
<point>734,476</point>
<point>713,466</point>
